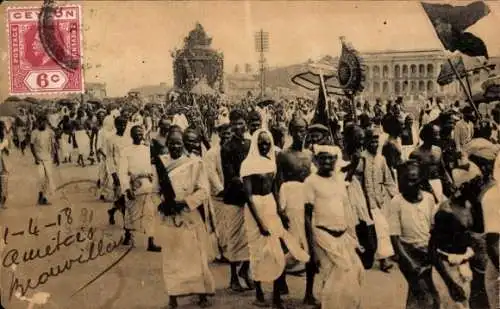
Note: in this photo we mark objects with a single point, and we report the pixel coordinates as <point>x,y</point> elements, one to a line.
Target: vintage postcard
<point>249,154</point>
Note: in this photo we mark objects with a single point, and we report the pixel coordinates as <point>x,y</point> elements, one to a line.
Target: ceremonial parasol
<point>316,74</point>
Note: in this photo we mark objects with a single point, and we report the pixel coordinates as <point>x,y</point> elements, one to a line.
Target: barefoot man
<point>294,166</point>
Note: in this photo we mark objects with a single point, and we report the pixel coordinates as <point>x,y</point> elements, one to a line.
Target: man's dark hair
<point>391,125</point>
<point>467,110</point>
<point>426,132</point>
<point>254,115</point>
<point>191,130</point>
<point>407,166</point>
<point>484,129</point>
<point>120,119</point>
<point>173,130</point>
<point>236,114</point>
<point>135,128</point>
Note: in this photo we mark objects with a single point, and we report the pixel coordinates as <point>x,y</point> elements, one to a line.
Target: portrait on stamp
<point>32,67</point>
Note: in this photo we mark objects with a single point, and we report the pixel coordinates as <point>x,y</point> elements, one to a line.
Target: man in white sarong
<point>104,182</point>
<point>213,165</point>
<point>379,188</point>
<point>429,156</point>
<point>136,183</point>
<point>233,153</point>
<point>411,215</point>
<point>182,228</point>
<point>330,224</point>
<point>294,166</point>
<point>114,146</point>
<point>43,146</point>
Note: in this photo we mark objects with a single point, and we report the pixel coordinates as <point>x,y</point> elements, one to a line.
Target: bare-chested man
<point>451,244</point>
<point>294,166</point>
<point>429,156</point>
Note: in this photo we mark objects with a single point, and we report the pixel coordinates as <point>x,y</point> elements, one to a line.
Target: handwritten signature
<point>96,248</point>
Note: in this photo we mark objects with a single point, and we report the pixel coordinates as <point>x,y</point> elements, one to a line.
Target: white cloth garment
<point>292,201</point>
<point>254,162</point>
<point>267,259</point>
<point>213,165</point>
<point>83,142</point>
<point>136,175</point>
<point>184,237</point>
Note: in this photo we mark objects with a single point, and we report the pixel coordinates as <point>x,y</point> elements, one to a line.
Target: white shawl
<point>254,163</point>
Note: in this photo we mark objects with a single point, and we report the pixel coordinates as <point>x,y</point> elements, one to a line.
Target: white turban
<point>333,150</point>
<point>461,176</point>
<point>482,148</point>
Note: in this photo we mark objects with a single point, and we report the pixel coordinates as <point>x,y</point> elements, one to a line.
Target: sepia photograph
<point>249,154</point>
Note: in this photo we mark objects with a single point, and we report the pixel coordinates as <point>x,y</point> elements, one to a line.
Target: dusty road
<point>136,281</point>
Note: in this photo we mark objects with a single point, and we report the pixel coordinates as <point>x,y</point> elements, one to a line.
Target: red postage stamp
<point>40,45</point>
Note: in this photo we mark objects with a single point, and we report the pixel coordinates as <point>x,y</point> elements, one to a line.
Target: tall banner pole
<point>327,106</point>
<point>469,96</point>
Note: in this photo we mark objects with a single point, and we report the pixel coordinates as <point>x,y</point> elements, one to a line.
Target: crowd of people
<point>276,193</point>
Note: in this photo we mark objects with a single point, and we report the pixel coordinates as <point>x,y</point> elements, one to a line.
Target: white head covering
<point>254,163</point>
<point>461,176</point>
<point>333,150</point>
<point>482,148</point>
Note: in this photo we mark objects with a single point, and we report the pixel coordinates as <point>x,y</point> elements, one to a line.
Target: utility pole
<point>262,46</point>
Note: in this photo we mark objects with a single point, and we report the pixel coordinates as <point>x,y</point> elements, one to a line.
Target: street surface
<point>136,281</point>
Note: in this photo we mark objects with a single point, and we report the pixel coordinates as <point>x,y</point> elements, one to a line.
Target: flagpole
<point>327,106</point>
<point>469,96</point>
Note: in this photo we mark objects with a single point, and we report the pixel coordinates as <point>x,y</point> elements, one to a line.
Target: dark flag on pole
<point>321,114</point>
<point>450,23</point>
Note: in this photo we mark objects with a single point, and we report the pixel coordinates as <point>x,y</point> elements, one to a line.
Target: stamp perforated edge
<point>46,93</point>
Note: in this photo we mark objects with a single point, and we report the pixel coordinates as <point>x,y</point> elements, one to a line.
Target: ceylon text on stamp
<point>35,70</point>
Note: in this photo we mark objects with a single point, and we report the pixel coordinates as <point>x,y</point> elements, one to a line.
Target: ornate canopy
<point>197,61</point>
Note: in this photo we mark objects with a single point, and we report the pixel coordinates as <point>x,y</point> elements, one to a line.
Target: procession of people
<point>270,191</point>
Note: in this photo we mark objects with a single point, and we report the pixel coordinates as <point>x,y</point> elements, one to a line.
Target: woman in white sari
<point>182,230</point>
<point>267,238</point>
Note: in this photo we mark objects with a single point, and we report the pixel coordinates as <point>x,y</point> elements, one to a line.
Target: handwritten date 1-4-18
<point>64,218</point>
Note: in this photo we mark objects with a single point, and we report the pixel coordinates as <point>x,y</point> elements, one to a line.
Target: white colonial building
<point>408,74</point>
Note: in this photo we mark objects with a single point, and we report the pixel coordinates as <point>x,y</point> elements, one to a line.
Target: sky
<point>127,44</point>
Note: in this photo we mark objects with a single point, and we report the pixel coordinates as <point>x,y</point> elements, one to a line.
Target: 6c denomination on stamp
<point>32,69</point>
